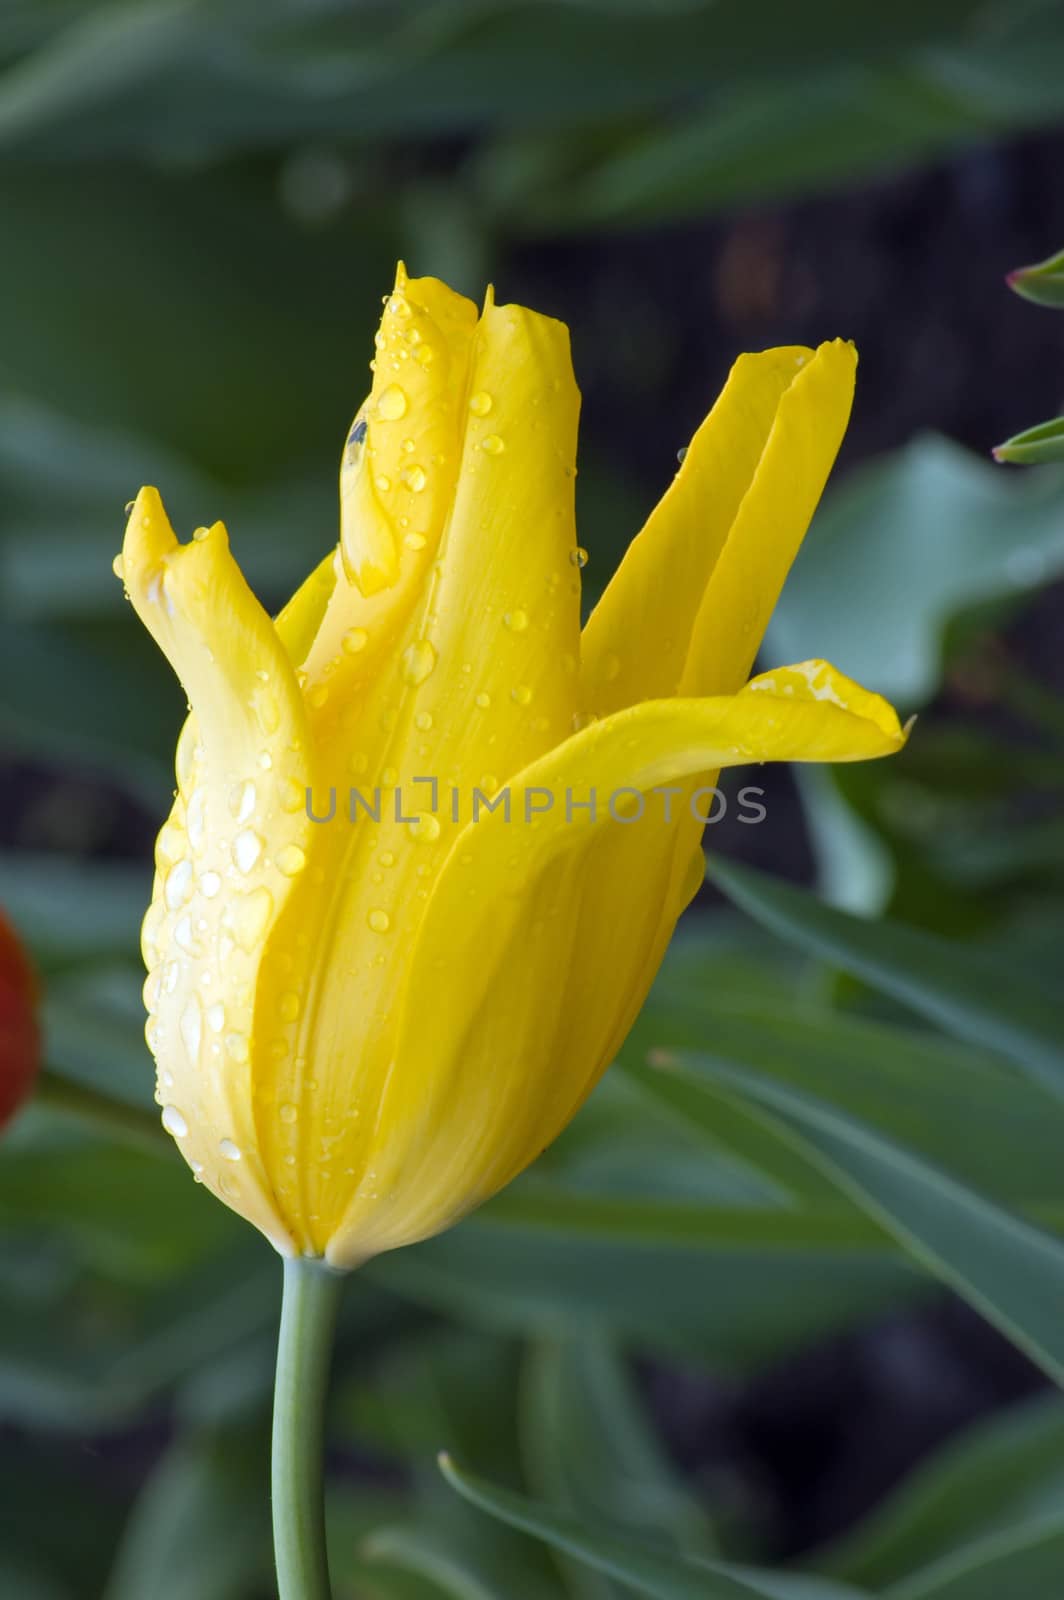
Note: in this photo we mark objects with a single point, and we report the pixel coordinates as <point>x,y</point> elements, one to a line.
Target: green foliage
<point>819,1119</point>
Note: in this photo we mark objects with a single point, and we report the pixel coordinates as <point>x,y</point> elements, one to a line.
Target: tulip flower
<point>430,841</point>
<point>19,1036</point>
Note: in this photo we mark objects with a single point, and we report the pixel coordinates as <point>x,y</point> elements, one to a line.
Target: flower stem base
<point>309,1309</point>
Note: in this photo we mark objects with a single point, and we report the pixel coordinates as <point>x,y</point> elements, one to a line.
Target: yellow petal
<point>401,458</point>
<point>480,678</point>
<point>229,852</point>
<point>527,966</point>
<point>687,608</point>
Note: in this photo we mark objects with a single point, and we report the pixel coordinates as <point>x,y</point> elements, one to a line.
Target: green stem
<point>308,1320</point>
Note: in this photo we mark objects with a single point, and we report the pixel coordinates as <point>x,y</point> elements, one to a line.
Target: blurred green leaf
<point>1012,1273</point>
<point>1025,1562</point>
<point>1035,446</point>
<point>920,535</point>
<point>969,994</point>
<point>734,1305</point>
<point>639,1567</point>
<point>590,1448</point>
<point>200,1526</point>
<point>69,910</point>
<point>1001,1474</point>
<point>957,1106</point>
<point>1043,282</point>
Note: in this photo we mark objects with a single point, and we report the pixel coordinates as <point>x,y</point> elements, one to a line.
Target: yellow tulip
<point>364,1028</point>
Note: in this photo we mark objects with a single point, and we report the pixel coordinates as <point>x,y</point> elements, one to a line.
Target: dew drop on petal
<point>379,921</point>
<point>247,848</point>
<point>493,445</point>
<point>516,621</point>
<point>423,721</point>
<point>209,884</point>
<point>229,1150</point>
<point>174,1122</point>
<point>216,1017</point>
<point>425,827</point>
<point>392,403</point>
<point>267,711</point>
<point>415,479</point>
<point>290,859</point>
<point>481,403</point>
<point>242,800</point>
<point>483,700</point>
<point>293,795</point>
<point>288,1113</point>
<point>290,1006</point>
<point>522,694</point>
<point>579,557</point>
<point>236,1046</point>
<point>417,662</point>
<point>246,917</point>
<point>118,566</point>
<point>178,884</point>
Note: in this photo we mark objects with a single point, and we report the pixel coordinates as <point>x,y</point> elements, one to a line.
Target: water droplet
<point>246,917</point>
<point>379,921</point>
<point>129,507</point>
<point>183,936</point>
<point>170,845</point>
<point>579,557</point>
<point>293,795</point>
<point>229,1150</point>
<point>392,403</point>
<point>383,482</point>
<point>242,800</point>
<point>516,621</point>
<point>247,847</point>
<point>216,1017</point>
<point>354,640</point>
<point>196,819</point>
<point>209,884</point>
<point>118,566</point>
<point>318,695</point>
<point>290,1006</point>
<point>191,1026</point>
<point>174,1122</point>
<point>267,711</point>
<point>418,661</point>
<point>483,700</point>
<point>414,541</point>
<point>199,534</point>
<point>423,721</point>
<point>611,667</point>
<point>265,760</point>
<point>236,1046</point>
<point>290,859</point>
<point>288,1113</point>
<point>415,478</point>
<point>178,884</point>
<point>493,445</point>
<point>425,827</point>
<point>171,973</point>
<point>522,694</point>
